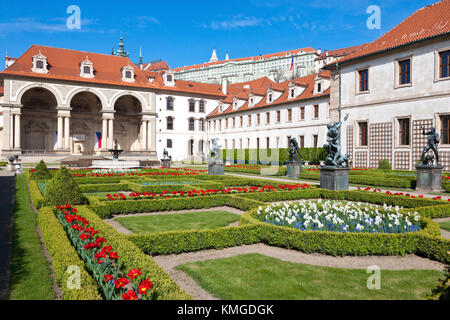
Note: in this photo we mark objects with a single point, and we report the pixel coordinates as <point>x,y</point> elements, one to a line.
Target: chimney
<point>224,86</point>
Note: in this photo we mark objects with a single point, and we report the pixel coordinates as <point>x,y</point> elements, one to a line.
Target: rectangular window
<point>220,125</point>
<point>234,122</point>
<point>444,68</point>
<point>241,121</point>
<point>301,143</point>
<point>87,70</point>
<point>404,67</point>
<point>315,140</point>
<point>289,115</point>
<point>445,129</point>
<point>169,103</point>
<point>403,125</point>
<point>257,143</point>
<point>169,143</point>
<point>364,80</point>
<point>267,117</point>
<point>258,119</point>
<point>249,120</point>
<point>288,141</point>
<point>191,105</point>
<point>278,116</point>
<point>302,113</point>
<point>226,123</point>
<point>316,111</point>
<point>202,106</point>
<point>363,141</point>
<point>268,142</point>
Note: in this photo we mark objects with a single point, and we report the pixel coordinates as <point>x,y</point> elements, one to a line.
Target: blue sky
<point>185,32</point>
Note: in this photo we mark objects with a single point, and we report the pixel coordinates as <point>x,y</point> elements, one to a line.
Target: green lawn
<point>445,225</point>
<point>258,277</point>
<point>30,271</point>
<point>176,222</point>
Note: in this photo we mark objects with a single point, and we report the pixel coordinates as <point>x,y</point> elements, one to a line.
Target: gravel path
<point>168,263</point>
<point>444,233</point>
<point>115,224</point>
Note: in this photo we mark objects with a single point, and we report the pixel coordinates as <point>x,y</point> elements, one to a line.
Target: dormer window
<point>270,98</point>
<point>128,74</point>
<point>87,69</point>
<point>169,78</point>
<point>40,63</point>
<point>319,87</point>
<point>292,93</point>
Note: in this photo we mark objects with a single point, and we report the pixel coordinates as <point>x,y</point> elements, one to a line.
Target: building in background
<point>281,66</point>
<point>393,87</point>
<point>262,114</point>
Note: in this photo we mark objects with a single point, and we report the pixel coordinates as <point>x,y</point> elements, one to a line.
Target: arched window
<point>169,123</point>
<point>202,106</point>
<point>170,103</point>
<point>191,124</point>
<point>192,105</point>
<point>202,125</point>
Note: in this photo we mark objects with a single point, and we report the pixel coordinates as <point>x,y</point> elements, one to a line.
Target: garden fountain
<point>115,163</point>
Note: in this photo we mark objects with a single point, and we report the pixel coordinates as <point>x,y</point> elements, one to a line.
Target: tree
<point>63,189</point>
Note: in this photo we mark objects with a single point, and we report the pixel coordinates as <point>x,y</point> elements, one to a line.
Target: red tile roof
<point>243,94</point>
<point>426,23</point>
<point>64,64</point>
<point>340,52</point>
<point>254,58</point>
<point>155,66</point>
<point>1,91</point>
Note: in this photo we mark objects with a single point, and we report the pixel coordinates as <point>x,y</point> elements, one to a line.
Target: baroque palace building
<point>393,87</point>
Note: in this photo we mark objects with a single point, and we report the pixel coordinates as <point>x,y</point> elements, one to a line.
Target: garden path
<point>411,192</point>
<point>7,199</point>
<point>444,233</point>
<point>168,263</point>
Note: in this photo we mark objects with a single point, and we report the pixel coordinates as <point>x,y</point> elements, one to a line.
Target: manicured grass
<point>176,222</point>
<point>30,271</point>
<point>445,225</point>
<point>258,277</point>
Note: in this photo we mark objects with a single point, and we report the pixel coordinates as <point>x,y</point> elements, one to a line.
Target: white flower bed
<point>339,216</point>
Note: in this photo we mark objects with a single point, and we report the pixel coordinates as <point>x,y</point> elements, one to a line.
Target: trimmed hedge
<point>36,195</point>
<point>63,255</point>
<point>42,172</point>
<point>62,189</point>
<point>132,257</point>
<point>107,187</point>
<point>176,242</point>
<point>264,156</point>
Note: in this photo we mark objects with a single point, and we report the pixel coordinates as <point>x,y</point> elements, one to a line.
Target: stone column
<point>66,133</point>
<point>104,134</point>
<point>152,134</point>
<point>17,131</point>
<point>144,135</point>
<point>60,133</point>
<point>149,135</point>
<point>110,133</point>
<point>11,131</point>
<point>6,128</point>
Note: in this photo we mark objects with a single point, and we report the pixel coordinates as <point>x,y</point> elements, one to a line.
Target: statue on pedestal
<point>432,142</point>
<point>166,155</point>
<point>333,147</point>
<point>294,150</point>
<point>215,150</point>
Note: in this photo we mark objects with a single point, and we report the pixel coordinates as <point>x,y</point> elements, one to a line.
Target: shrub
<point>41,172</point>
<point>442,291</point>
<point>384,165</point>
<point>62,189</point>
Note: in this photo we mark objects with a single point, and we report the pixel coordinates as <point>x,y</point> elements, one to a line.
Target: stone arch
<point>128,122</point>
<point>57,95</point>
<point>38,119</point>
<point>86,121</point>
<point>121,94</point>
<point>96,92</point>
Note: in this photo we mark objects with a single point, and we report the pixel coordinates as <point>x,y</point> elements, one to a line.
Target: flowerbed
<point>340,217</point>
<point>204,192</point>
<point>389,193</point>
<point>101,260</point>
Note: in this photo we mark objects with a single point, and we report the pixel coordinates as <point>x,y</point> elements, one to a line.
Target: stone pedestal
<point>216,168</point>
<point>429,178</point>
<point>165,163</point>
<point>332,178</point>
<point>293,169</point>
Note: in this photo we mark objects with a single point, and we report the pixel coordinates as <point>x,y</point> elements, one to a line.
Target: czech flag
<point>292,63</point>
<point>99,140</point>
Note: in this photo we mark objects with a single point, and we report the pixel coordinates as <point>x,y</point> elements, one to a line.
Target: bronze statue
<point>294,150</point>
<point>166,155</point>
<point>333,147</point>
<point>432,142</point>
